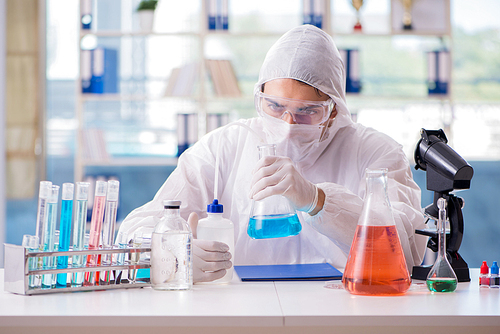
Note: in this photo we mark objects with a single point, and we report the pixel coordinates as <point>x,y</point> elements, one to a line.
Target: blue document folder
<point>289,272</point>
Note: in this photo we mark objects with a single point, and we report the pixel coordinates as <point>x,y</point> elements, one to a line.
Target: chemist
<point>320,168</point>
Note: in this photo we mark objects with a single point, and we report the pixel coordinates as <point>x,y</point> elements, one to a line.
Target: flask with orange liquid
<point>376,264</point>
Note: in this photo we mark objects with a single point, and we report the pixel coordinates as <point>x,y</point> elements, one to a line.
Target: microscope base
<point>458,264</point>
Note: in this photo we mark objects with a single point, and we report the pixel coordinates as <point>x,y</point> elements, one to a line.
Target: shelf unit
<point>202,41</point>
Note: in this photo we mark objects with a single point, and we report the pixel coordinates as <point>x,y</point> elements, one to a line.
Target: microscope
<point>446,171</point>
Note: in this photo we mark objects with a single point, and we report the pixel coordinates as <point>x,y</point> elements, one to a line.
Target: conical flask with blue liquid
<point>273,216</point>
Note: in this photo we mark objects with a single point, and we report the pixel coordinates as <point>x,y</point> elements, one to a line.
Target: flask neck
<point>171,212</point>
<point>376,191</point>
<point>376,207</point>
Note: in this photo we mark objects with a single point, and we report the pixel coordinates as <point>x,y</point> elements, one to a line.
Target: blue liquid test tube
<point>30,242</point>
<point>82,192</point>
<point>65,231</point>
<point>41,221</point>
<point>108,228</point>
<point>49,232</point>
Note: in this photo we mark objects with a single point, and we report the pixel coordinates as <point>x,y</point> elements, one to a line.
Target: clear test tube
<point>92,277</point>
<point>41,219</point>
<point>108,228</point>
<point>49,233</point>
<point>31,243</point>
<point>134,257</point>
<point>81,197</point>
<point>65,231</point>
<point>121,242</point>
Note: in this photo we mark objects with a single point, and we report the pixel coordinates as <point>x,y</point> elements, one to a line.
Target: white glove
<point>278,176</point>
<point>210,258</point>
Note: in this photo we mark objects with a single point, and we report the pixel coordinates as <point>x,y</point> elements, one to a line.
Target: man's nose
<point>288,117</point>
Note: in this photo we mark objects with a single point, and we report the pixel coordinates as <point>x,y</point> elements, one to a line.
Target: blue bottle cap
<point>215,207</point>
<point>494,268</point>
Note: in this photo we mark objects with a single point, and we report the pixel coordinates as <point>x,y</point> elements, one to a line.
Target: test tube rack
<point>17,272</point>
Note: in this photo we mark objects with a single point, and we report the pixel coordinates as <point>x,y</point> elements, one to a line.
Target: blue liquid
<point>48,245</point>
<point>274,226</point>
<point>64,239</point>
<point>79,241</point>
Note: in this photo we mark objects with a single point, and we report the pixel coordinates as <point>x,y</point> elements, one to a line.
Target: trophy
<point>407,14</point>
<point>357,5</point>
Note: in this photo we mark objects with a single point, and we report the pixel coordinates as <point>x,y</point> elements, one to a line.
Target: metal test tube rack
<point>17,272</point>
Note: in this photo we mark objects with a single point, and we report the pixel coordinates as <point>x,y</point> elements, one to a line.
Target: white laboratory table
<point>253,307</point>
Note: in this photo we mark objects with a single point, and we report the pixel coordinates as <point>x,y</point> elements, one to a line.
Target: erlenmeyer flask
<point>441,277</point>
<point>274,216</point>
<point>376,264</point>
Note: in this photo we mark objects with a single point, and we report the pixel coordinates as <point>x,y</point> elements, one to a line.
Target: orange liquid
<point>376,263</point>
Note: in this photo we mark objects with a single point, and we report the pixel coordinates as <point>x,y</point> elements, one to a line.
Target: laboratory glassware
<point>49,233</point>
<point>65,231</point>
<point>121,242</point>
<point>376,264</point>
<point>31,243</point>
<point>273,216</point>
<point>82,192</point>
<point>217,228</point>
<point>41,218</point>
<point>171,253</point>
<point>441,277</point>
<point>134,257</point>
<point>92,277</point>
<point>108,227</point>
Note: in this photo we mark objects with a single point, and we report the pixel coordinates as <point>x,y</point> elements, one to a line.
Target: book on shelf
<point>313,12</point>
<point>217,14</point>
<point>182,80</point>
<point>438,72</point>
<point>350,57</point>
<point>99,71</point>
<point>94,145</point>
<point>223,77</point>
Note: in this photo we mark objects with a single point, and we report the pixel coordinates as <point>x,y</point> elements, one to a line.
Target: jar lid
<point>169,204</point>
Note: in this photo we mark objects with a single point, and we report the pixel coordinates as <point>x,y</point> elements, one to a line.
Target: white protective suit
<point>336,165</point>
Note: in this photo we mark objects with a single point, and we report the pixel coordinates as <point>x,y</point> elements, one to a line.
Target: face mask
<point>296,141</point>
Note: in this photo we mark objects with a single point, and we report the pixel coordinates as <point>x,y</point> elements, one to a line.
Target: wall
<point>2,126</point>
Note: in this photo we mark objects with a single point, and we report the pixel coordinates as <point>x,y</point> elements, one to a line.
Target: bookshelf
<point>143,111</point>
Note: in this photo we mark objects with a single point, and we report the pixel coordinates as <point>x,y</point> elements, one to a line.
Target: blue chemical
<point>64,240</point>
<point>79,241</point>
<point>274,226</point>
<point>48,245</point>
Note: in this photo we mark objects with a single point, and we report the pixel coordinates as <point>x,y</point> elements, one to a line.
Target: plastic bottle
<point>171,251</point>
<point>217,228</point>
<point>484,278</point>
<point>376,264</point>
<point>494,276</point>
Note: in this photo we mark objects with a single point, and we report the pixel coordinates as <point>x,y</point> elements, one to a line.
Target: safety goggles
<point>301,111</point>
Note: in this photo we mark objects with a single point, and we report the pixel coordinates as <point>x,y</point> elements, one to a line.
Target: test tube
<point>82,192</point>
<point>49,233</point>
<point>65,231</point>
<point>92,277</point>
<point>30,242</point>
<point>41,218</point>
<point>108,228</point>
<point>135,256</point>
<point>121,242</point>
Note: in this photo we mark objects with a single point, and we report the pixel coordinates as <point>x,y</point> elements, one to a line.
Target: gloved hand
<point>210,258</point>
<point>278,176</point>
